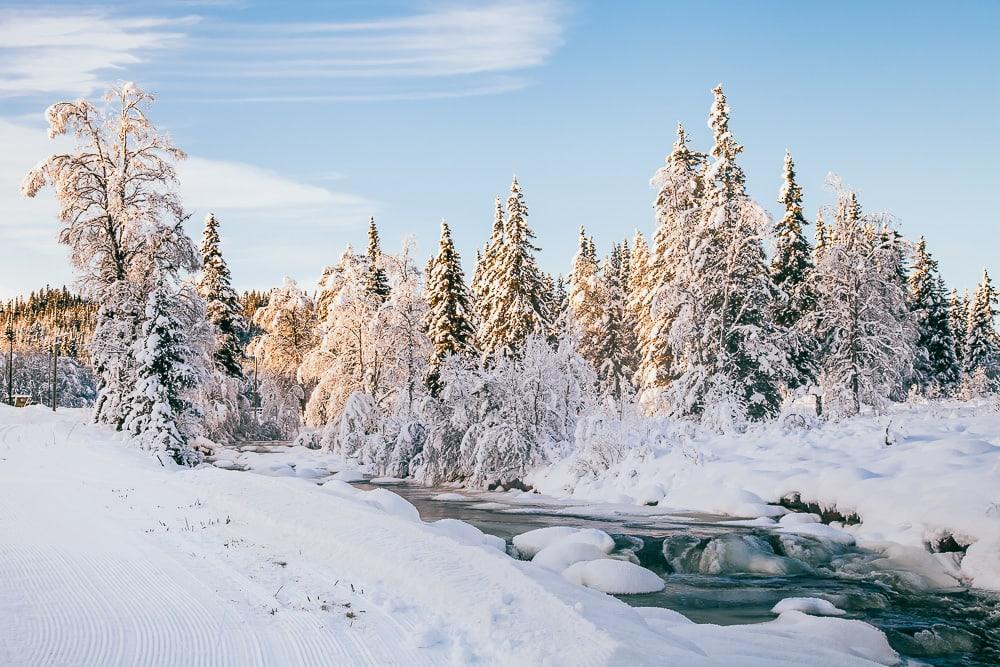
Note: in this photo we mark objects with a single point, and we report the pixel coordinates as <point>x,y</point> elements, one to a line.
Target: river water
<point>957,627</point>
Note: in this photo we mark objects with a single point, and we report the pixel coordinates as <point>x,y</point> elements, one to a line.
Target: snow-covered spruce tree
<point>222,304</point>
<point>791,271</point>
<point>122,220</point>
<point>866,334</point>
<point>450,317</point>
<point>982,343</point>
<point>166,372</point>
<point>729,356</point>
<point>958,319</point>
<point>516,292</point>
<point>586,301</point>
<point>376,282</point>
<point>677,206</point>
<point>935,367</point>
<point>821,236</point>
<point>615,342</point>
<point>629,328</point>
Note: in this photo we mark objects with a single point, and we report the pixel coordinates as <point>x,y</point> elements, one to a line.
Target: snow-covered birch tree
<point>121,218</point>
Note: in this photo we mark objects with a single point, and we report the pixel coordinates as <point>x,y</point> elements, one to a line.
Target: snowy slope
<point>109,558</point>
<point>938,477</point>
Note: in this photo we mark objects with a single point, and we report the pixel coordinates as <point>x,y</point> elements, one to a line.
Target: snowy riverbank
<point>110,558</point>
<point>926,477</point>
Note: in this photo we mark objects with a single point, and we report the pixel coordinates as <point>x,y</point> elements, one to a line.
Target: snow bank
<point>617,577</point>
<point>222,567</point>
<point>937,480</point>
<point>812,606</point>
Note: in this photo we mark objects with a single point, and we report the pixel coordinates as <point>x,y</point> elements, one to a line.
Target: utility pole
<point>55,361</point>
<point>9,335</point>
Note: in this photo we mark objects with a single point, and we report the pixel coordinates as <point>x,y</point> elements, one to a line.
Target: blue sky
<point>303,119</point>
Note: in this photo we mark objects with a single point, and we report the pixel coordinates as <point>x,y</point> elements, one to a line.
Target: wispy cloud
<point>440,52</point>
<point>71,52</point>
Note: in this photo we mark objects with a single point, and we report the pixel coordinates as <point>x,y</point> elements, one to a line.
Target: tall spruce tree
<point>936,365</point>
<point>376,281</point>
<point>517,292</point>
<point>728,353</point>
<point>792,272</point>
<point>450,315</point>
<point>222,304</point>
<point>680,190</point>
<point>613,341</point>
<point>982,343</point>
<point>586,300</point>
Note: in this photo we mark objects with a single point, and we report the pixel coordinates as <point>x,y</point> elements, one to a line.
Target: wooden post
<point>9,334</point>
<point>55,361</point>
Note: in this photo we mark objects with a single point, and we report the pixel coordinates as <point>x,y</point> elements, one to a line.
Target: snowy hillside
<point>110,558</point>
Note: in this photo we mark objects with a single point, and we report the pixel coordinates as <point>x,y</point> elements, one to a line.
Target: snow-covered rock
<point>557,557</point>
<point>613,576</point>
<point>812,606</point>
<point>530,543</point>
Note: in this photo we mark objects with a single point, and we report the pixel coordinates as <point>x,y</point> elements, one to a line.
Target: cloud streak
<point>441,52</point>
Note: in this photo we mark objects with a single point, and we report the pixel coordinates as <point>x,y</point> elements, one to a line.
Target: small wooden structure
<point>21,400</point>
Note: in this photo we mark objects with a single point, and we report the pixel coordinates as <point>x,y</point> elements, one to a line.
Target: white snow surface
<point>939,477</point>
<point>110,557</point>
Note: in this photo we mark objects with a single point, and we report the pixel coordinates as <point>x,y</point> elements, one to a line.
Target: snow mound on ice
<point>449,497</point>
<point>349,476</point>
<point>799,517</point>
<point>813,606</point>
<point>386,481</point>
<point>557,557</point>
<point>616,577</point>
<point>530,543</point>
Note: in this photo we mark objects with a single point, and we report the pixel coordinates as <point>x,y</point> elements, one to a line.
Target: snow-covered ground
<point>914,478</point>
<point>109,557</point>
